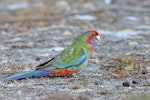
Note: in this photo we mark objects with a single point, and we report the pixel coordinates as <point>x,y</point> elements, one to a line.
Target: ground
<point>34,31</point>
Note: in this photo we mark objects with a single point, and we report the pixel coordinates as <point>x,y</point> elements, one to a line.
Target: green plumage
<point>70,55</point>
<point>71,60</point>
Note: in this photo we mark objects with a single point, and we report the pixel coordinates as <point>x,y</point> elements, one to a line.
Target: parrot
<point>71,60</point>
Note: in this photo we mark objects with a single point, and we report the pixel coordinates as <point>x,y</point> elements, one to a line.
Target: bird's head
<point>90,37</point>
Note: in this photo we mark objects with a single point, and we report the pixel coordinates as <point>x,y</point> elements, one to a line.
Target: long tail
<point>36,73</point>
<point>31,73</point>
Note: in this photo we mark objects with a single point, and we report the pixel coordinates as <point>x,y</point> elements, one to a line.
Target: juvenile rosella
<point>71,60</point>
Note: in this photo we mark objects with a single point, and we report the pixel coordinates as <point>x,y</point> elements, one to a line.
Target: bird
<point>71,60</point>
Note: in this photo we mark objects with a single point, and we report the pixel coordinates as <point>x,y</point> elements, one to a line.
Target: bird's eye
<point>92,34</point>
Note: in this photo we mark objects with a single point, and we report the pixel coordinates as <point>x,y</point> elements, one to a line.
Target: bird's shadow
<point>48,76</point>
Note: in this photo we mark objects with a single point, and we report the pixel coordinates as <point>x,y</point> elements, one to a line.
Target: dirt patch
<point>32,32</point>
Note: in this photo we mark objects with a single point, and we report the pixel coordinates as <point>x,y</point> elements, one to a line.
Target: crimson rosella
<point>71,60</point>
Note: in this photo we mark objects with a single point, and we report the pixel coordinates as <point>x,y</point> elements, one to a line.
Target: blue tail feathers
<point>31,73</point>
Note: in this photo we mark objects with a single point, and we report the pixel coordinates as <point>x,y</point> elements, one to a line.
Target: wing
<point>74,55</point>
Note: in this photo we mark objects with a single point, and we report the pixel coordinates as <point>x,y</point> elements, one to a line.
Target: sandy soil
<point>34,31</point>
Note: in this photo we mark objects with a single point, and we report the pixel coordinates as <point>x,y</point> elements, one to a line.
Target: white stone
<point>133,43</point>
<point>84,17</point>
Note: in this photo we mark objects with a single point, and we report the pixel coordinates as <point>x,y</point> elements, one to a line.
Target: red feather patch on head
<point>89,39</point>
<point>94,31</point>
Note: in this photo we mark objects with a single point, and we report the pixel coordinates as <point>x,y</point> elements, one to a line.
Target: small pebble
<point>133,44</point>
<point>126,84</point>
<point>88,5</point>
<point>108,1</point>
<point>135,81</point>
<point>67,33</point>
<point>38,59</point>
<point>144,71</point>
<point>56,49</point>
<point>44,55</point>
<point>17,39</point>
<point>84,17</point>
<point>19,93</point>
<point>62,5</point>
<point>75,87</point>
<point>98,82</point>
<point>148,68</point>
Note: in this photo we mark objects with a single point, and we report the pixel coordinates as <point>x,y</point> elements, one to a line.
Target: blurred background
<point>33,31</point>
<point>20,15</point>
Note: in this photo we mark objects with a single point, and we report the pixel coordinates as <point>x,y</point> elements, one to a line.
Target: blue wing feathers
<point>81,60</point>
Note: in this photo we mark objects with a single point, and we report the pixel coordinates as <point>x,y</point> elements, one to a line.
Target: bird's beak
<point>97,38</point>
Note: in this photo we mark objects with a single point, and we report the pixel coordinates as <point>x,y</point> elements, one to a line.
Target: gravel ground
<point>34,31</point>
